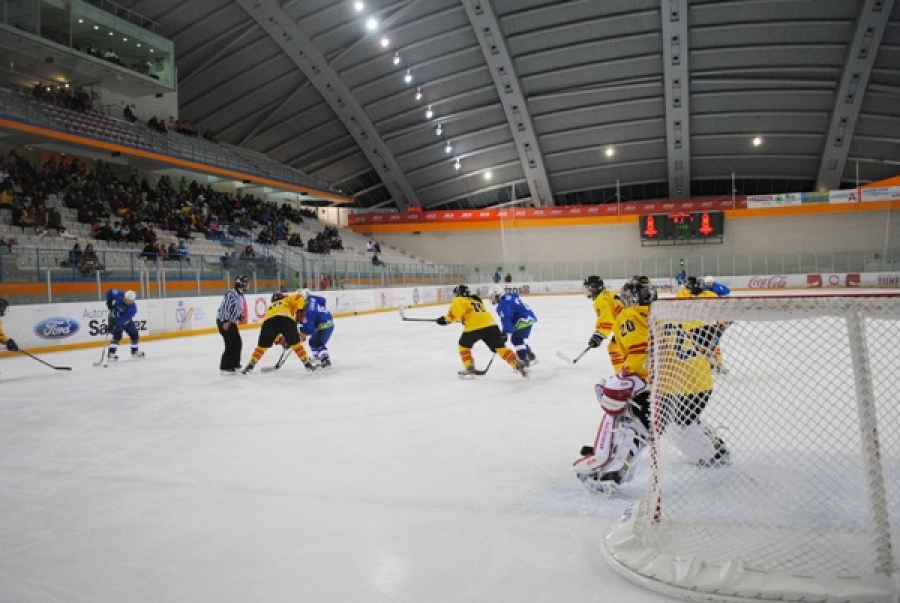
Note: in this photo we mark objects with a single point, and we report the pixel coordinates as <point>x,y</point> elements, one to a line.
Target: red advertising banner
<point>545,213</point>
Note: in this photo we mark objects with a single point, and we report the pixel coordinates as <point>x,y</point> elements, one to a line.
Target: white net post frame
<point>807,505</point>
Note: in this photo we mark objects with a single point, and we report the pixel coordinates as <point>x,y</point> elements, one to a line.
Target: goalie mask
<point>637,293</point>
<point>693,285</point>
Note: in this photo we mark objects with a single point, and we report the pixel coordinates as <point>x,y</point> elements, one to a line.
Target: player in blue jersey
<point>122,310</point>
<point>720,289</point>
<point>516,320</point>
<point>318,325</point>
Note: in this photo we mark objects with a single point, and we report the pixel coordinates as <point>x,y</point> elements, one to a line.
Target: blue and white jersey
<point>121,313</point>
<point>718,288</point>
<point>318,317</point>
<point>514,313</point>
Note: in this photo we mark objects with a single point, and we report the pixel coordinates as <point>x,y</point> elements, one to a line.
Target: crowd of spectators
<point>63,96</point>
<point>325,241</point>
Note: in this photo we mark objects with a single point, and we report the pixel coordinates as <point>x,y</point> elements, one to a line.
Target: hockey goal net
<point>795,493</point>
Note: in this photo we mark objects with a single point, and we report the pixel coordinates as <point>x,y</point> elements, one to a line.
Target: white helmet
<point>130,296</point>
<point>304,293</point>
<point>495,294</point>
<point>708,280</point>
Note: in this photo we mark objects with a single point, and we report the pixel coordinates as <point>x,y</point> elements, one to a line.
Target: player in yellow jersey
<point>706,335</point>
<point>280,319</point>
<point>625,398</point>
<point>606,307</point>
<point>478,325</point>
<point>9,342</point>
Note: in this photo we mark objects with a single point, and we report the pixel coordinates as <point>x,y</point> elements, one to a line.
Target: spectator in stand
<point>75,256</point>
<point>370,246</point>
<point>497,277</point>
<point>248,252</point>
<point>507,278</point>
<point>183,252</point>
<point>90,262</point>
<point>376,261</point>
<point>172,254</point>
<point>295,241</point>
<point>129,114</point>
<point>150,253</point>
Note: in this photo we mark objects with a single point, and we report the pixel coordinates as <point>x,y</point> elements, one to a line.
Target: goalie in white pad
<point>621,437</point>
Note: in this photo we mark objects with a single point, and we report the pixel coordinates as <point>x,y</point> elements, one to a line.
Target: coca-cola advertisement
<point>779,281</point>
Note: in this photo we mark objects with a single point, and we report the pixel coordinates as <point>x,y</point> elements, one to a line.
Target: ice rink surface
<point>387,478</point>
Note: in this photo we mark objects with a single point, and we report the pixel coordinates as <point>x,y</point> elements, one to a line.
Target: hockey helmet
<point>461,291</point>
<point>241,282</point>
<point>495,294</point>
<point>277,296</point>
<point>693,285</point>
<point>636,293</point>
<point>709,280</point>
<point>304,293</point>
<point>3,305</point>
<point>130,296</point>
<point>594,285</point>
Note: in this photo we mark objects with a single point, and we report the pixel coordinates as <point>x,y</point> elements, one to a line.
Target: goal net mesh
<point>775,454</point>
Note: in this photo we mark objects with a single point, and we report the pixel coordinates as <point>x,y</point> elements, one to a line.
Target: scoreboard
<point>682,228</point>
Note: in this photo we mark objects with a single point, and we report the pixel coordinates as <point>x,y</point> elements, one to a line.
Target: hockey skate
<point>248,369</point>
<point>137,354</point>
<point>522,368</point>
<point>532,359</point>
<point>324,364</point>
<point>113,357</point>
<point>309,366</point>
<point>228,372</point>
<point>467,373</point>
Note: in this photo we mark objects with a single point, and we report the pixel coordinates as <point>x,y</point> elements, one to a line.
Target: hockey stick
<point>285,353</point>
<point>487,368</point>
<point>105,342</point>
<point>573,360</point>
<point>406,318</point>
<point>57,368</point>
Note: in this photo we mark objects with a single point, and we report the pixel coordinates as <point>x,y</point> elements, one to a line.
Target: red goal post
<point>805,503</point>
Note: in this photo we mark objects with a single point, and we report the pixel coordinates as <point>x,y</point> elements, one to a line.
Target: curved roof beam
<point>674,17</point>
<point>282,28</point>
<point>500,64</point>
<point>873,19</point>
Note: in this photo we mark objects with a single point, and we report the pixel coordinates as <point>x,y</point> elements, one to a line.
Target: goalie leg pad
<point>700,443</point>
<point>622,443</point>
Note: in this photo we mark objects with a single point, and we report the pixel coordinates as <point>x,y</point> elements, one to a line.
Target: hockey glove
<point>505,338</point>
<point>442,321</point>
<point>596,340</point>
<point>11,345</point>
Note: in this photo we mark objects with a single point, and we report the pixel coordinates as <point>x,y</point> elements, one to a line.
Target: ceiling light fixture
<point>371,23</point>
<point>359,6</point>
<point>488,175</point>
<point>448,148</point>
<point>419,93</point>
<point>757,140</point>
<point>457,164</point>
<point>408,77</point>
<point>610,151</point>
<point>438,130</point>
<point>429,113</point>
<point>396,58</point>
<point>385,42</point>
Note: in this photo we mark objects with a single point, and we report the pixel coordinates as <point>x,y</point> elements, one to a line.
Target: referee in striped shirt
<point>231,312</point>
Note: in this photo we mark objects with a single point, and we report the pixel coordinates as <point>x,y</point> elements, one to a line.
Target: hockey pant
<point>617,448</point>
<point>116,331</point>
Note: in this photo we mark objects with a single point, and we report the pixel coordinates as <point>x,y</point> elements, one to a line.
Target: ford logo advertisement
<point>57,327</point>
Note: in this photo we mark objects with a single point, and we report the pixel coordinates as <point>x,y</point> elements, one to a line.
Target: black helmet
<point>461,291</point>
<point>693,285</point>
<point>241,282</point>
<point>277,295</point>
<point>594,285</point>
<point>3,305</point>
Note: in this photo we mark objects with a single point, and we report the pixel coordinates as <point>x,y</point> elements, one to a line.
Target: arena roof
<point>546,102</point>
